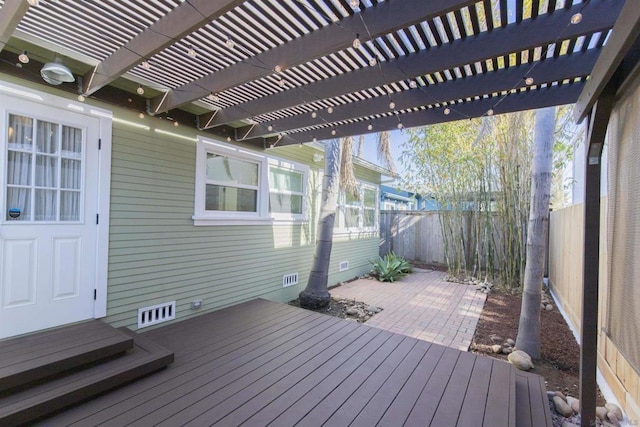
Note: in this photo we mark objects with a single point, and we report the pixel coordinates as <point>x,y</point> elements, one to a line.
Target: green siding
<point>156,254</point>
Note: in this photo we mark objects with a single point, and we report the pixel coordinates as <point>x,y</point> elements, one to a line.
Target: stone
<point>351,311</point>
<point>511,342</point>
<point>613,419</point>
<point>373,309</point>
<point>612,407</point>
<point>560,394</point>
<point>520,360</point>
<point>496,348</point>
<point>548,307</point>
<point>507,350</point>
<point>574,403</point>
<point>562,407</point>
<point>495,338</point>
<point>601,413</point>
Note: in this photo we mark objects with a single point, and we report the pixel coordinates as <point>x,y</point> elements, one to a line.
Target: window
<point>237,186</point>
<point>358,212</point>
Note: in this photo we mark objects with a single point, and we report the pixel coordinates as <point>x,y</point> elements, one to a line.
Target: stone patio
<point>422,305</point>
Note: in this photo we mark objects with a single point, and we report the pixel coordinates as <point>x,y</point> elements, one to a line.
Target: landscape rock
<point>520,360</point>
<point>548,307</point>
<point>373,309</point>
<point>496,348</point>
<point>562,407</point>
<point>351,311</point>
<point>511,342</point>
<point>495,338</point>
<point>560,394</point>
<point>613,419</point>
<point>601,413</point>
<point>507,350</point>
<point>574,403</point>
<point>612,407</point>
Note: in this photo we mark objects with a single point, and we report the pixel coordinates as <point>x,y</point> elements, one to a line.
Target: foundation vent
<point>155,314</point>
<point>289,280</point>
<point>344,266</point>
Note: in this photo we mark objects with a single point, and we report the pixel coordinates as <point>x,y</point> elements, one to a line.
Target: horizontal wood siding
<point>156,254</point>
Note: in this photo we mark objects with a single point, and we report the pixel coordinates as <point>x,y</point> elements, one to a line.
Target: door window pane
<point>47,137</point>
<point>18,204</point>
<point>69,206</point>
<point>20,132</point>
<point>71,142</point>
<point>46,205</point>
<point>46,171</point>
<point>19,168</point>
<point>70,174</point>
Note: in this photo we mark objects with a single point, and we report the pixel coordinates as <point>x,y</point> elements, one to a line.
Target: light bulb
<point>23,57</point>
<point>490,112</point>
<point>330,110</point>
<point>229,43</point>
<point>529,81</point>
<point>576,18</point>
<point>400,126</point>
<point>370,127</point>
<point>228,139</point>
<point>300,145</point>
<point>356,42</point>
<point>373,61</point>
<point>269,128</point>
<point>176,124</point>
<point>192,52</point>
<point>213,97</point>
<point>315,139</point>
<point>447,111</point>
<point>281,83</point>
<point>140,90</point>
<point>146,65</point>
<point>314,115</point>
<point>277,69</point>
<point>392,105</point>
<point>81,98</point>
<point>333,132</point>
<point>141,115</point>
<point>33,2</point>
<point>354,3</point>
<point>413,84</point>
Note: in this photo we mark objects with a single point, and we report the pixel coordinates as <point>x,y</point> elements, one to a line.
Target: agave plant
<point>390,267</point>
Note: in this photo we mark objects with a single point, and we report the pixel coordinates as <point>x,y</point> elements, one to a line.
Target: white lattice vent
<point>289,280</point>
<point>344,266</point>
<point>155,314</point>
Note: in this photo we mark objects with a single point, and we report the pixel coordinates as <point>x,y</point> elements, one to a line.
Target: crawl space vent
<point>344,266</point>
<point>155,314</point>
<point>289,280</point>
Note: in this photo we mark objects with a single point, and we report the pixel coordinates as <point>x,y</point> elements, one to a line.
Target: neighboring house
<point>155,216</point>
<point>392,198</point>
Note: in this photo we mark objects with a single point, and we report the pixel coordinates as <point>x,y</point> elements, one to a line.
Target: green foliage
<point>390,267</point>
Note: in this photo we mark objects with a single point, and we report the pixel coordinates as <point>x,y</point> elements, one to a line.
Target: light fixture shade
<point>56,73</point>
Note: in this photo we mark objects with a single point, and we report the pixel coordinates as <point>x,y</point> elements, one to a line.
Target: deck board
<point>262,362</point>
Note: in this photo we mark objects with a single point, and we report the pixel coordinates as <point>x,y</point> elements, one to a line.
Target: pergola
<point>278,72</point>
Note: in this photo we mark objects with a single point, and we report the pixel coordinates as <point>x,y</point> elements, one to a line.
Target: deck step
<point>49,397</point>
<point>532,405</point>
<point>30,358</point>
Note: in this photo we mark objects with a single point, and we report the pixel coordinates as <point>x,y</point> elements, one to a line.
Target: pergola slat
<point>380,20</point>
<point>181,21</point>
<point>528,34</point>
<point>564,94</point>
<point>566,67</point>
<point>11,14</point>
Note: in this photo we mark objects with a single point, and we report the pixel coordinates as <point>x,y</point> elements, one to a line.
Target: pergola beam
<point>176,24</point>
<point>551,70</point>
<point>516,37</point>
<point>625,33</point>
<point>11,14</point>
<point>384,18</point>
<point>556,95</point>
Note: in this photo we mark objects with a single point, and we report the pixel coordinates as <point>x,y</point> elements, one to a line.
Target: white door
<point>49,182</point>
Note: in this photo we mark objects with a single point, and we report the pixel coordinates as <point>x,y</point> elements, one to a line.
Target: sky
<point>371,147</point>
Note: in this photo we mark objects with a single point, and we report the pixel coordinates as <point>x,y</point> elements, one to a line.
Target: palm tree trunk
<point>528,338</point>
<point>316,294</point>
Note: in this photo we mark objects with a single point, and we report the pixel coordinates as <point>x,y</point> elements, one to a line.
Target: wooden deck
<point>262,363</point>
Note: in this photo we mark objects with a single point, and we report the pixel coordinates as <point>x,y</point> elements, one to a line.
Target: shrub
<point>390,267</point>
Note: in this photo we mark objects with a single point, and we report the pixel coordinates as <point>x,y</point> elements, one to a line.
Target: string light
<point>146,65</point>
<point>576,18</point>
<point>33,2</point>
<point>370,127</point>
<point>281,83</point>
<point>400,126</point>
<point>140,90</point>
<point>490,112</point>
<point>330,110</point>
<point>354,3</point>
<point>413,84</point>
<point>333,131</point>
<point>213,97</point>
<point>81,98</point>
<point>192,52</point>
<point>315,139</point>
<point>447,111</point>
<point>529,81</point>
<point>230,43</point>
<point>141,115</point>
<point>269,128</point>
<point>23,57</point>
<point>314,114</point>
<point>176,124</point>
<point>373,61</point>
<point>277,69</point>
<point>392,105</point>
<point>356,42</point>
<point>229,139</point>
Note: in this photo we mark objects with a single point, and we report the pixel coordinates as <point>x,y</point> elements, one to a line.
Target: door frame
<point>105,118</point>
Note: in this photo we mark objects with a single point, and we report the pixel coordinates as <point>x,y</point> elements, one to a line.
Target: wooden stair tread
<point>532,406</point>
<point>59,393</point>
<point>30,358</point>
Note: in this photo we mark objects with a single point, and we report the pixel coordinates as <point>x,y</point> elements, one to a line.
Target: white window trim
<point>202,217</point>
<point>360,228</point>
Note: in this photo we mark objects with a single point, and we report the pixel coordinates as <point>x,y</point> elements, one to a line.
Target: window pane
<point>46,205</point>
<point>69,206</point>
<point>285,180</point>
<point>369,218</point>
<point>20,132</point>
<point>47,137</point>
<point>71,142</point>
<point>46,171</point>
<point>19,168</point>
<point>285,203</point>
<point>222,198</point>
<point>369,198</point>
<point>18,204</point>
<point>351,199</point>
<point>351,216</point>
<point>70,174</point>
<point>233,171</point>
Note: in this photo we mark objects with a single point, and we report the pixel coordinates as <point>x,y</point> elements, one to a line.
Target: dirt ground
<point>559,363</point>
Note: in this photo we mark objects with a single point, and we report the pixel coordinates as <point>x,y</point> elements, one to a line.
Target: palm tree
<point>338,172</point>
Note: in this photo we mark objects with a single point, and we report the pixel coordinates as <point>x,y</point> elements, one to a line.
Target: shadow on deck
<point>261,363</point>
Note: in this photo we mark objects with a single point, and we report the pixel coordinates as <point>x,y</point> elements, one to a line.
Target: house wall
<point>157,255</point>
<point>565,277</point>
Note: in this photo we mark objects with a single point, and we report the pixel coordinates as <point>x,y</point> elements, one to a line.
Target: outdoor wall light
<point>55,73</point>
